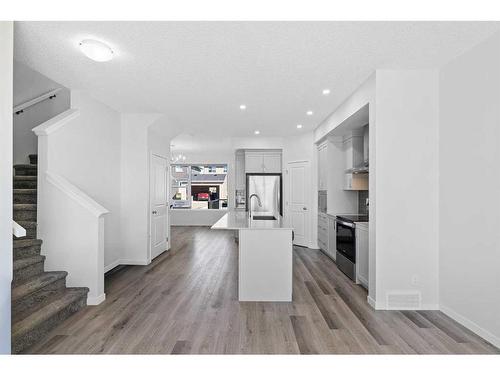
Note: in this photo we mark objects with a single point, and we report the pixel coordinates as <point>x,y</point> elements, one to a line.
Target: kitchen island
<point>265,255</point>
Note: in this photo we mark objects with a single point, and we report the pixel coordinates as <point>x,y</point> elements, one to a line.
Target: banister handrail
<point>18,109</point>
<point>18,230</point>
<point>76,194</point>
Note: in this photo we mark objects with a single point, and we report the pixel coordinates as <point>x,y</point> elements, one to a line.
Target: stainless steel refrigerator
<point>268,188</point>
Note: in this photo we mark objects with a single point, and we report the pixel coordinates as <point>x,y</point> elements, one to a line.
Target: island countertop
<point>235,220</point>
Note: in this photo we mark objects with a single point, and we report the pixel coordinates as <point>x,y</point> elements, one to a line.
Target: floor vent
<point>404,300</point>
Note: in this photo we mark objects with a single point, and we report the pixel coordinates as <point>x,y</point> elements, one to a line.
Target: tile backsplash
<point>362,196</point>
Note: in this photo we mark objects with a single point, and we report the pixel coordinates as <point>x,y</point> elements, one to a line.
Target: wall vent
<point>404,300</point>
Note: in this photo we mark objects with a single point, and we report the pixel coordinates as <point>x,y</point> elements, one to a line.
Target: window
<point>202,187</point>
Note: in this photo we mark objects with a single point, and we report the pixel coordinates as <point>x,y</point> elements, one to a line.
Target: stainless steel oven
<point>346,247</point>
<point>322,201</point>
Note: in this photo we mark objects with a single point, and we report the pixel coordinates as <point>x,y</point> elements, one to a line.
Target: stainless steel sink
<point>263,217</point>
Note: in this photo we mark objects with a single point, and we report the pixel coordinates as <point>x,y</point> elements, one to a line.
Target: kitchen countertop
<point>235,220</point>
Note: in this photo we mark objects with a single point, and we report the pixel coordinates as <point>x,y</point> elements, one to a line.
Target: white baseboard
<point>485,334</point>
<point>134,262</point>
<point>112,265</point>
<point>96,300</point>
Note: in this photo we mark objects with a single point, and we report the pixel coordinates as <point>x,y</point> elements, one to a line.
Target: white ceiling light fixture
<point>257,132</point>
<point>326,91</point>
<point>309,113</point>
<point>299,126</point>
<point>243,107</point>
<point>96,50</point>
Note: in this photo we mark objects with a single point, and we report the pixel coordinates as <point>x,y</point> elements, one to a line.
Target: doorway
<point>158,205</point>
<point>299,201</point>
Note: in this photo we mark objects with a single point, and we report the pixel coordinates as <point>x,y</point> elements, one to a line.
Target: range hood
<point>362,168</point>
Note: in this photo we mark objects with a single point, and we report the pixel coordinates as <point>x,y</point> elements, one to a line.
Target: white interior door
<point>158,197</point>
<point>299,201</point>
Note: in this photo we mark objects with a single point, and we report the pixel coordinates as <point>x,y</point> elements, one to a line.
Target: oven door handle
<point>345,223</point>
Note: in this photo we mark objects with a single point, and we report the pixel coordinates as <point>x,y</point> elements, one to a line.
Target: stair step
<point>30,227</point>
<point>27,268</point>
<point>25,248</point>
<point>25,196</point>
<point>24,212</point>
<point>25,182</point>
<point>33,159</point>
<point>26,169</point>
<point>36,325</point>
<point>28,296</point>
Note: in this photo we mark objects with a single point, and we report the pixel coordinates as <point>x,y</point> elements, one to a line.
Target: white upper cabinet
<point>322,166</point>
<point>262,162</point>
<point>272,163</point>
<point>240,171</point>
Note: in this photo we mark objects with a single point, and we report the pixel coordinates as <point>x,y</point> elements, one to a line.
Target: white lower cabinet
<point>323,232</point>
<point>362,255</point>
<point>332,238</point>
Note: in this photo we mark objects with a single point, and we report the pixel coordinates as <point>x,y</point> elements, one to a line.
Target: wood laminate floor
<point>186,301</point>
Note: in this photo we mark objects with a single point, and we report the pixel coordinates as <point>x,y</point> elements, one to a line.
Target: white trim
<point>55,123</point>
<point>478,330</point>
<point>96,300</point>
<point>76,194</point>
<point>134,262</point>
<point>371,302</point>
<point>38,99</point>
<point>18,230</point>
<point>112,265</point>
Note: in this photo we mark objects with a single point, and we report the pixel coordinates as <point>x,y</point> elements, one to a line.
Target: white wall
<point>406,147</point>
<point>6,58</point>
<point>362,96</point>
<point>139,139</point>
<point>29,84</point>
<point>469,153</point>
<point>87,153</point>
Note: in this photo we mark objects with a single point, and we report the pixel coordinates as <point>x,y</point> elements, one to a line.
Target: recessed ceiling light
<point>299,126</point>
<point>309,113</point>
<point>326,91</point>
<point>257,132</point>
<point>95,50</point>
<point>243,107</point>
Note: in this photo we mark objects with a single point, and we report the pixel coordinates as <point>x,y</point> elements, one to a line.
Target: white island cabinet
<point>265,256</point>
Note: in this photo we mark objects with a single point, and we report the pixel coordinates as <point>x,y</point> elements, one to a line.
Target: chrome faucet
<point>250,201</point>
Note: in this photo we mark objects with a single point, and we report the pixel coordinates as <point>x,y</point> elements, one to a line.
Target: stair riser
<point>23,342</point>
<point>21,184</point>
<point>25,252</point>
<point>24,215</point>
<point>26,273</point>
<point>25,198</point>
<point>28,304</point>
<point>30,233</point>
<point>26,171</point>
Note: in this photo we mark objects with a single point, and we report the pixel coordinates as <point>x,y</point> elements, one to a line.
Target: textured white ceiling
<point>198,73</point>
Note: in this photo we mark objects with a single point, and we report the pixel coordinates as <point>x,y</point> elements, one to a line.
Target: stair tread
<point>26,262</point>
<point>26,224</point>
<point>67,297</point>
<point>26,166</point>
<point>26,242</point>
<point>36,283</point>
<point>25,178</point>
<point>24,191</point>
<point>24,206</point>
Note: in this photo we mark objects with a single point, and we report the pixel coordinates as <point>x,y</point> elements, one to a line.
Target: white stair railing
<point>18,230</point>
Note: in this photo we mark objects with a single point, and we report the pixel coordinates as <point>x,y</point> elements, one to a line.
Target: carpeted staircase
<point>40,300</point>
